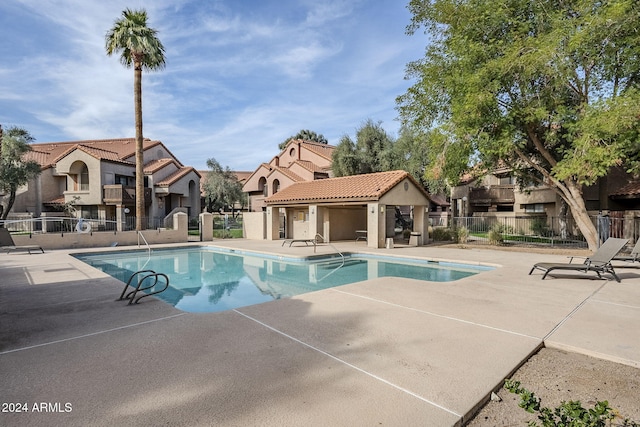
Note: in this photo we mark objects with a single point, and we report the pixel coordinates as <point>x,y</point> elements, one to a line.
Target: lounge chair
<point>7,244</point>
<point>634,256</point>
<point>599,262</point>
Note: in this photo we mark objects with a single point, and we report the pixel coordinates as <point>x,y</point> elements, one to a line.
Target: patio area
<point>377,352</point>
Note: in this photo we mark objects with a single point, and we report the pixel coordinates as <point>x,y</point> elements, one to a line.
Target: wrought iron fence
<point>550,231</point>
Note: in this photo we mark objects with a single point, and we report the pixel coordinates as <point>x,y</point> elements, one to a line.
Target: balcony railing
<point>118,194</point>
<point>492,195</point>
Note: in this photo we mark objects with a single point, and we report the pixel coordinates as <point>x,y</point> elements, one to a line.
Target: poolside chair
<point>7,244</point>
<point>634,256</point>
<point>599,262</point>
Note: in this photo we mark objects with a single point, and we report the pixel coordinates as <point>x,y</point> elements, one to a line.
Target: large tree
<point>15,171</point>
<point>140,48</point>
<point>547,87</point>
<point>372,151</point>
<point>221,187</point>
<point>305,135</point>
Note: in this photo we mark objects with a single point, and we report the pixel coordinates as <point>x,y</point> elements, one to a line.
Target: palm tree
<point>140,48</point>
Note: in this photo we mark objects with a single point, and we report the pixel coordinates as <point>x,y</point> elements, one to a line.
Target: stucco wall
<point>254,225</point>
<point>345,222</point>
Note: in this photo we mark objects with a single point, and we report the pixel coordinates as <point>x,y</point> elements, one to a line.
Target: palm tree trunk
<point>137,89</point>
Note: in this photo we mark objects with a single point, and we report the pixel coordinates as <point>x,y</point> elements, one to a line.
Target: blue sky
<point>241,75</point>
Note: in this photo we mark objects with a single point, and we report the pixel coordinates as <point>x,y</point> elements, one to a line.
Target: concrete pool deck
<point>378,352</point>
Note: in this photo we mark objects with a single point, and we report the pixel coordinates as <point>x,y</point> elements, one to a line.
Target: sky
<point>241,76</point>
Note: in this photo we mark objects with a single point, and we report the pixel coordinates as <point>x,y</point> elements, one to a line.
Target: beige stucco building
<point>299,161</point>
<point>98,178</point>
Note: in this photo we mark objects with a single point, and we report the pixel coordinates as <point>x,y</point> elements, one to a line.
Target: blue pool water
<point>204,279</point>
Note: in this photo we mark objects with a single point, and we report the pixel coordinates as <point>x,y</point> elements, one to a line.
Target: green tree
<point>140,48</point>
<point>371,152</point>
<point>221,187</point>
<point>305,135</point>
<point>549,88</point>
<point>15,171</point>
<point>412,155</point>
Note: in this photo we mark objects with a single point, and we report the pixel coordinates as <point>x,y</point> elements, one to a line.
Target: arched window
<point>276,186</point>
<point>84,178</point>
<point>262,186</point>
<point>79,176</point>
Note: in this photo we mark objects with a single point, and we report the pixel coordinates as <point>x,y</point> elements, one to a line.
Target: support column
<point>273,223</point>
<point>206,227</point>
<point>314,215</point>
<point>420,219</point>
<point>376,225</point>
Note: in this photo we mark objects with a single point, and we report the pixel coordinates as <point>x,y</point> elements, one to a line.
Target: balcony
<point>493,195</point>
<point>118,194</point>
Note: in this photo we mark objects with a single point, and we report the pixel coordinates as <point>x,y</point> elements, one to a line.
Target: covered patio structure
<point>346,208</point>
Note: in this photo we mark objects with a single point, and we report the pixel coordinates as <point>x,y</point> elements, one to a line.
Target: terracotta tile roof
<point>96,152</point>
<point>631,189</point>
<point>324,150</point>
<point>174,177</point>
<point>310,166</point>
<point>44,159</point>
<point>439,199</point>
<point>58,200</point>
<point>242,175</point>
<point>108,149</point>
<point>156,165</point>
<point>287,172</point>
<point>367,187</point>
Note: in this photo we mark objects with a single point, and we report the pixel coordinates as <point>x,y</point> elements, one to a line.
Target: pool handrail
<point>131,296</point>
<point>335,249</point>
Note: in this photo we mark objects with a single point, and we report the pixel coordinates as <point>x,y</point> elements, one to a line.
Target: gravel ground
<point>556,376</point>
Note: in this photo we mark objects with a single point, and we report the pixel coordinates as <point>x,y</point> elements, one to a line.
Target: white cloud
<point>240,76</point>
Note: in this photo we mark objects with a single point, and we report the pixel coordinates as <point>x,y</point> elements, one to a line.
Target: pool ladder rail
<point>147,274</point>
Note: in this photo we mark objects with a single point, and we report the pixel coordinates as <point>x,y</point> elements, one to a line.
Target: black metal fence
<point>549,231</point>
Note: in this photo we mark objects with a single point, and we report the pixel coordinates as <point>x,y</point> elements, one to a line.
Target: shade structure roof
<point>354,188</point>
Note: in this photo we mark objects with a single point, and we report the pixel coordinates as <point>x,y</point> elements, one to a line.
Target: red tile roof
<point>115,150</point>
<point>174,177</point>
<point>156,165</point>
<point>288,173</point>
<point>631,189</point>
<point>367,187</point>
<point>324,150</point>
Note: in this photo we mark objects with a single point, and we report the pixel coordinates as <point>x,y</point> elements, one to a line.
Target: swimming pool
<point>205,279</point>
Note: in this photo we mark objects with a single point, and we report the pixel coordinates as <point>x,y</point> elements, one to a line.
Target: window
<point>534,208</point>
<point>123,180</point>
<point>262,186</point>
<point>276,186</point>
<point>507,180</point>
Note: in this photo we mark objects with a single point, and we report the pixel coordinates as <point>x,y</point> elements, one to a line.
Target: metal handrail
<point>131,296</point>
<point>339,253</point>
<point>122,296</point>
<point>145,241</point>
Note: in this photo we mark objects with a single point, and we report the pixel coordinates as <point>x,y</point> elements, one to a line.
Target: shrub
<point>495,235</point>
<point>539,227</point>
<point>568,413</point>
<point>442,234</point>
<point>462,234</point>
